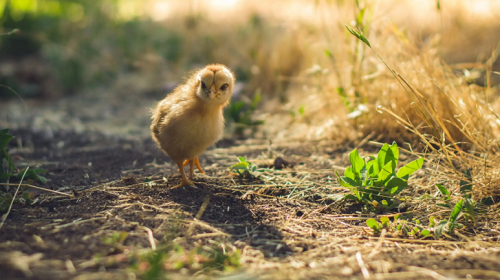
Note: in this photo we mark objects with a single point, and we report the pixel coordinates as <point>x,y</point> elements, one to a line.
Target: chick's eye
<point>203,86</point>
<point>224,86</point>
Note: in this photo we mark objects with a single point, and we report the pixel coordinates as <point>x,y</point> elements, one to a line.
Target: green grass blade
<point>358,34</point>
<point>444,191</point>
<point>456,211</point>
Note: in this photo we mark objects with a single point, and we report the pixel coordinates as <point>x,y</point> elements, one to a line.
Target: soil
<point>287,223</point>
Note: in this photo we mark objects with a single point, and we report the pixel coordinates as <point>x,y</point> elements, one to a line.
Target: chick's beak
<point>212,92</point>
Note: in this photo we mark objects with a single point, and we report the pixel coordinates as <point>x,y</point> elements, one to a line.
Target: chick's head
<point>215,84</point>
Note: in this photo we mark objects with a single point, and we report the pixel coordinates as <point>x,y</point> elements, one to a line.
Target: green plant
<point>469,204</point>
<point>240,114</point>
<point>245,169</point>
<point>451,224</point>
<point>9,171</point>
<point>376,183</point>
<point>300,112</point>
<point>413,228</point>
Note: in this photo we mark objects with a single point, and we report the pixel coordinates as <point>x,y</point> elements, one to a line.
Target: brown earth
<point>287,224</point>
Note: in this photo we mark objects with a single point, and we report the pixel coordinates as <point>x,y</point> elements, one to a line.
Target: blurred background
<point>101,65</point>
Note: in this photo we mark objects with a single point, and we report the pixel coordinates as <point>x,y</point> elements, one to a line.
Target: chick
<point>190,119</point>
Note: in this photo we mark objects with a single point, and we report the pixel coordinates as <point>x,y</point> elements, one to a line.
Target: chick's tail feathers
<point>158,117</point>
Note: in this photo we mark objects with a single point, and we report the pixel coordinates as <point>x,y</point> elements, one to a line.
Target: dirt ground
<point>286,224</point>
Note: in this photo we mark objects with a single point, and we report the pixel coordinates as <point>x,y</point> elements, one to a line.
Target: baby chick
<point>190,119</point>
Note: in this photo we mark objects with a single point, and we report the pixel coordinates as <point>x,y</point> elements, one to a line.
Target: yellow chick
<point>190,119</point>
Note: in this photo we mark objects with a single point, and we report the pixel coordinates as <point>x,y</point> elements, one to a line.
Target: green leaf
<point>444,191</point>
<point>439,229</point>
<point>349,174</point>
<point>405,171</point>
<point>240,166</point>
<point>32,174</point>
<point>456,211</point>
<point>4,138</point>
<point>386,172</point>
<point>382,155</point>
<point>432,221</point>
<point>425,232</point>
<point>385,222</point>
<point>348,182</point>
<point>357,163</point>
<point>328,53</point>
<point>469,208</point>
<point>358,34</point>
<point>395,151</point>
<point>374,169</point>
<point>387,154</point>
<point>396,185</point>
<point>372,223</point>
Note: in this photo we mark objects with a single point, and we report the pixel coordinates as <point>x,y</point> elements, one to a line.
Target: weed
<point>400,224</point>
<point>245,169</point>
<point>376,183</point>
<point>451,224</point>
<point>9,171</point>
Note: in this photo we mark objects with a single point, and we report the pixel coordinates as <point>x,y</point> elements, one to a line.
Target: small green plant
<point>451,224</point>
<point>413,228</point>
<point>240,114</point>
<point>376,183</point>
<point>9,171</point>
<point>245,169</point>
<point>298,113</point>
<point>469,205</point>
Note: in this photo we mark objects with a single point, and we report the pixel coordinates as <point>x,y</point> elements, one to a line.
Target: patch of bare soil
<point>287,223</point>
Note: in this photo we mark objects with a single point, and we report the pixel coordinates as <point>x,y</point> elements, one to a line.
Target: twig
<point>77,222</point>
<point>199,214</point>
<point>376,250</point>
<point>38,188</point>
<point>13,198</point>
<point>150,237</point>
<point>362,265</point>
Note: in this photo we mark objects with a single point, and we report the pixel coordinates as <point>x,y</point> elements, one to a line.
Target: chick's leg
<point>197,162</point>
<point>191,169</point>
<point>184,180</point>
